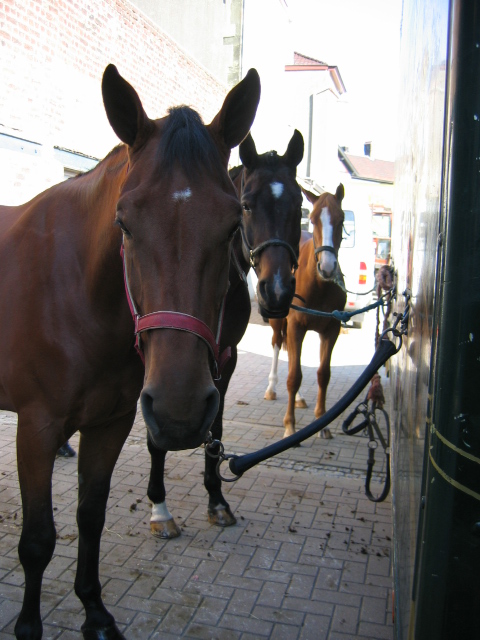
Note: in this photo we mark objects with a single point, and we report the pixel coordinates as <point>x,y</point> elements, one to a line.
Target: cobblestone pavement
<point>309,558</point>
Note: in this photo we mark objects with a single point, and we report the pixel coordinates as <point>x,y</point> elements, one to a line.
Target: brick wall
<point>52,56</point>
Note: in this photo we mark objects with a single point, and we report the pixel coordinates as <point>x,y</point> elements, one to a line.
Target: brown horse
<point>268,240</point>
<point>67,355</point>
<point>319,287</point>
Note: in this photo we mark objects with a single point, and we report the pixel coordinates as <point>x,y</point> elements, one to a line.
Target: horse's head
<point>178,211</point>
<point>327,219</point>
<point>271,202</point>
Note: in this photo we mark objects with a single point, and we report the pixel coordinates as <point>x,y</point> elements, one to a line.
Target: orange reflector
<point>362,279</point>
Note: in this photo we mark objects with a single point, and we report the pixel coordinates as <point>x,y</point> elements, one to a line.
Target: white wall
<point>266,48</point>
<point>285,101</point>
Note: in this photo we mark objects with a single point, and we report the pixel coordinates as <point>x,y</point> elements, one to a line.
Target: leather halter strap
<point>180,322</point>
<point>318,250</point>
<point>274,242</point>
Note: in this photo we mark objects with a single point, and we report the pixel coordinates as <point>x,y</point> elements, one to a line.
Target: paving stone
<point>308,559</point>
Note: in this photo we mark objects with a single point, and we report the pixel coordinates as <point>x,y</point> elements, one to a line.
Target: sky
<point>361,38</point>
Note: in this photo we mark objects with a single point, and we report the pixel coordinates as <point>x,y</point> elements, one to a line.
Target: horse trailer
<point>435,377</point>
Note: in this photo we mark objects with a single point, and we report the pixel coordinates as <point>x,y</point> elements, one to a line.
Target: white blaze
<point>277,189</point>
<point>182,196</point>
<point>327,259</point>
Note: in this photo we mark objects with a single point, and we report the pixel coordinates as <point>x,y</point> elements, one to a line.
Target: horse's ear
<point>294,153</point>
<point>248,153</point>
<point>340,193</point>
<point>124,108</point>
<point>311,197</point>
<point>234,120</point>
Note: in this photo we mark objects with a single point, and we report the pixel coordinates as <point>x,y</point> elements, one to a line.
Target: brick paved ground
<point>309,558</point>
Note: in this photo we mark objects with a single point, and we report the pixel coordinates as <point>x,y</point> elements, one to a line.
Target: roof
<point>299,58</point>
<point>305,63</point>
<point>366,168</point>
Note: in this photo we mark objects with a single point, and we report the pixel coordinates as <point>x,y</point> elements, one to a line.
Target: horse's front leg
<point>98,452</point>
<point>36,448</point>
<point>162,523</point>
<point>295,336</point>
<point>327,342</point>
<point>277,340</point>
<point>219,512</point>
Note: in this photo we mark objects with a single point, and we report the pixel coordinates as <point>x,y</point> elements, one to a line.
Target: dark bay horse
<point>320,287</point>
<point>268,240</point>
<point>164,200</point>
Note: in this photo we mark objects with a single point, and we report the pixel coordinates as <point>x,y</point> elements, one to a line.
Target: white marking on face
<point>182,196</point>
<point>277,284</point>
<point>160,513</point>
<point>277,189</point>
<point>327,259</point>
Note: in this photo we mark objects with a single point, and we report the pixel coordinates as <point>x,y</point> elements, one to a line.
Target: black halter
<point>274,242</point>
<point>318,250</point>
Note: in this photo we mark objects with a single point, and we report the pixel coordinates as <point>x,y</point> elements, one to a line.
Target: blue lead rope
<point>343,316</point>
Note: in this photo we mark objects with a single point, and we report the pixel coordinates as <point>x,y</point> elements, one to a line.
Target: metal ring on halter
<point>227,456</point>
<point>396,333</point>
<point>212,443</point>
<point>221,455</point>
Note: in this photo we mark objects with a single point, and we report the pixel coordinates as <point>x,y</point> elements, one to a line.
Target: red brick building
<point>53,53</point>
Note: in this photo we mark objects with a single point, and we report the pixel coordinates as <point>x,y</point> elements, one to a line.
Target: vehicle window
<point>382,226</point>
<point>348,237</point>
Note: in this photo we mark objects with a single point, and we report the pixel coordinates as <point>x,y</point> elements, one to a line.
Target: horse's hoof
<point>270,395</point>
<point>326,434</point>
<point>301,404</point>
<point>221,517</point>
<point>107,633</point>
<point>167,529</point>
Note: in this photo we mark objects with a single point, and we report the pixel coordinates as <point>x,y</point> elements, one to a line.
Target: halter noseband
<point>318,250</point>
<point>180,322</point>
<point>274,242</point>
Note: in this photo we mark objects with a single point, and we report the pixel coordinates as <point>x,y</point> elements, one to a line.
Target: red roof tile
<point>366,168</point>
<point>300,59</point>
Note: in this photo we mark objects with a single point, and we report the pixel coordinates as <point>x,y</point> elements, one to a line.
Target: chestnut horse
<point>268,240</point>
<point>320,287</point>
<point>164,200</point>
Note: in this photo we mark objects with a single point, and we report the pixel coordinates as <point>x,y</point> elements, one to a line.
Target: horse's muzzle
<point>273,315</point>
<point>173,433</point>
<point>274,298</point>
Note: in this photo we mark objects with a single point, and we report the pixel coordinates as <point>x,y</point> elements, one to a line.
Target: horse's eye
<point>246,207</point>
<point>124,229</point>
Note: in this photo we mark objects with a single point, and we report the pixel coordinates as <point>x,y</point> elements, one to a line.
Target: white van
<point>357,258</point>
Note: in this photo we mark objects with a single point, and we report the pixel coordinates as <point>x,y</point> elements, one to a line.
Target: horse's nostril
<point>262,288</point>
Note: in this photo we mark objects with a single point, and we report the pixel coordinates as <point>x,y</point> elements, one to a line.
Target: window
<point>348,238</point>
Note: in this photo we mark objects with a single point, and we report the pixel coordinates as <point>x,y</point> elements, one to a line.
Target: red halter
<point>180,322</point>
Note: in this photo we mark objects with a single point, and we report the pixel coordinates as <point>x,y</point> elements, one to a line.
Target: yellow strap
<point>453,482</point>
<point>453,447</point>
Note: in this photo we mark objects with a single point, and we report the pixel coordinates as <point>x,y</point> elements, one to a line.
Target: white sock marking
<point>273,376</point>
<point>160,513</point>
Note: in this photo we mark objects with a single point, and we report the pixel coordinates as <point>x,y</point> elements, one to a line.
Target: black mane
<point>186,142</point>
